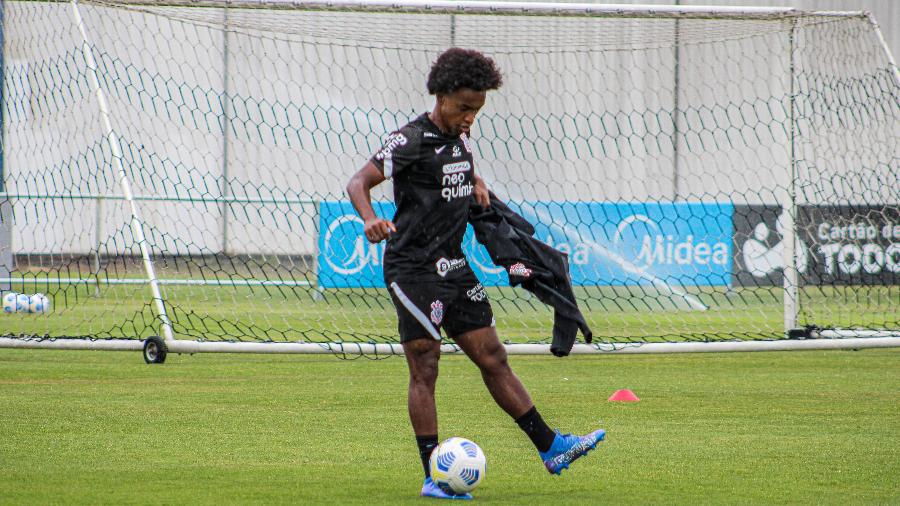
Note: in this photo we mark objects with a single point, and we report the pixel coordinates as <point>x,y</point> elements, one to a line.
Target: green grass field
<point>620,313</point>
<point>766,428</point>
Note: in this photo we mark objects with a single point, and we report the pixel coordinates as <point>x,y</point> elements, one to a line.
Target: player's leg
<point>557,450</point>
<point>470,322</point>
<point>483,347</point>
<point>422,356</point>
<point>423,352</point>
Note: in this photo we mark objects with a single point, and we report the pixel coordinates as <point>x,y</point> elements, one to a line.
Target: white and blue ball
<point>38,303</point>
<point>457,465</point>
<point>9,302</point>
<point>22,303</point>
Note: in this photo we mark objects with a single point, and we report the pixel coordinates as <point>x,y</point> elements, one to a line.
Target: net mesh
<point>662,154</point>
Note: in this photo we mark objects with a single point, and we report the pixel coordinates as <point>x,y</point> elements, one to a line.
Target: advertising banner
<point>835,245</point>
<point>607,243</point>
<point>679,244</point>
<point>855,245</point>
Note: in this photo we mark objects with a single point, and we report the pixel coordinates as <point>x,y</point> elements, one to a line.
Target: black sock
<point>426,445</point>
<point>538,431</point>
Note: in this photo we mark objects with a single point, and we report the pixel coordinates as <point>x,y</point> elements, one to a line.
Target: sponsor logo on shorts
<point>476,293</point>
<point>437,312</point>
<point>519,269</point>
<point>444,265</point>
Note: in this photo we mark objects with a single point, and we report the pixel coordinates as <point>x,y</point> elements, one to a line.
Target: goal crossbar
<point>501,8</point>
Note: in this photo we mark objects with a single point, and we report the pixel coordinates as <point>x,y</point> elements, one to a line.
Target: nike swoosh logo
<point>437,151</point>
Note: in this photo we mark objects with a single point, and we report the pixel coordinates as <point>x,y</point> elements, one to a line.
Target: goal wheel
<point>155,350</point>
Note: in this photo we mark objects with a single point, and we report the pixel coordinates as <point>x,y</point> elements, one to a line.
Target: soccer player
<point>427,274</point>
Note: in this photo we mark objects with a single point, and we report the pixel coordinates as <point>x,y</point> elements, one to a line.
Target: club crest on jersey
<point>395,140</point>
<point>456,151</point>
<point>520,270</point>
<point>437,312</point>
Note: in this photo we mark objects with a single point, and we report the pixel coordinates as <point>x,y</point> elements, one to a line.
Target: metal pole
<point>98,230</point>
<point>887,49</point>
<point>226,130</point>
<point>857,339</point>
<point>453,30</point>
<point>676,105</point>
<point>497,7</point>
<point>789,240</point>
<point>6,255</point>
<point>137,226</point>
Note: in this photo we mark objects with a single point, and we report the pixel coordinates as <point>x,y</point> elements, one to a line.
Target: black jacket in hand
<point>539,268</point>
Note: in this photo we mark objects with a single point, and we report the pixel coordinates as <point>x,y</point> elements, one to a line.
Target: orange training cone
<point>623,395</point>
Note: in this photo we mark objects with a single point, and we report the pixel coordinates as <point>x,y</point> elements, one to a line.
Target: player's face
<point>458,109</point>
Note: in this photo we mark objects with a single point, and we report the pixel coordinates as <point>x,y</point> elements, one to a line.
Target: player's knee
<point>422,358</point>
<point>424,377</point>
<point>425,370</point>
<point>494,361</point>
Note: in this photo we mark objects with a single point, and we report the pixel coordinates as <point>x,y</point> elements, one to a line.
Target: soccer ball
<point>38,303</point>
<point>22,302</point>
<point>457,465</point>
<point>9,302</point>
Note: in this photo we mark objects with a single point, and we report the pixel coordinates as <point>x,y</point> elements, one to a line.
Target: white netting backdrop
<point>236,125</point>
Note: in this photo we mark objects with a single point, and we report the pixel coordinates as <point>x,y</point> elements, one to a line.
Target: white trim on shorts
<point>416,312</point>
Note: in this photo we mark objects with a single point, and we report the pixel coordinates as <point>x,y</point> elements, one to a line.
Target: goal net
<point>179,170</point>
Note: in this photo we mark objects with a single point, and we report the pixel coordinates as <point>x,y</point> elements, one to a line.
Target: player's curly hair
<point>458,68</point>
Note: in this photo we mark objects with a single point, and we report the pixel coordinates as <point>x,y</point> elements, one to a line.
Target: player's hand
<point>482,196</point>
<point>377,229</point>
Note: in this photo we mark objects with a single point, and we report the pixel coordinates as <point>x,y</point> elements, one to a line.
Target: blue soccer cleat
<point>567,448</point>
<point>430,489</point>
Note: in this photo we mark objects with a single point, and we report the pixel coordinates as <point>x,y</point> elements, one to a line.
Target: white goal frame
<point>811,340</point>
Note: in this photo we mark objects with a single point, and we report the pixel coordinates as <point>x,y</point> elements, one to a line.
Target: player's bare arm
<point>359,189</point>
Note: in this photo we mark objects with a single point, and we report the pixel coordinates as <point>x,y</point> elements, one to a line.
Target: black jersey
<point>434,183</point>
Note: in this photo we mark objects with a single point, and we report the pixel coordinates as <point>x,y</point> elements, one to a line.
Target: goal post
<point>137,225</point>
<point>722,178</point>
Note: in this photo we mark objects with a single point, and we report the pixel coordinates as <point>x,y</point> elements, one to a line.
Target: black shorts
<point>458,306</point>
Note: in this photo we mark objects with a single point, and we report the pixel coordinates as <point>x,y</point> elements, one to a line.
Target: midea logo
<point>362,254</point>
<point>658,248</point>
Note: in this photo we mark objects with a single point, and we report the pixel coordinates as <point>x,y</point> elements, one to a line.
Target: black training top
<point>433,185</point>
